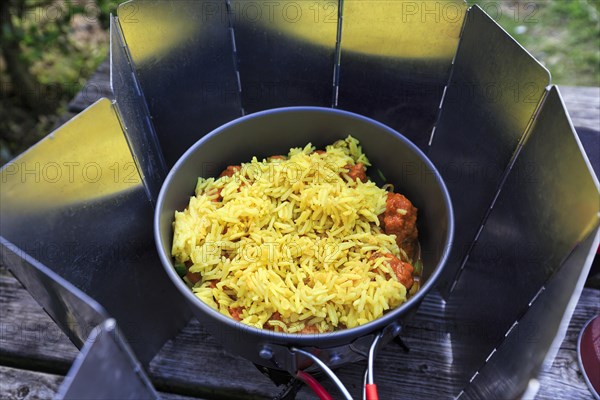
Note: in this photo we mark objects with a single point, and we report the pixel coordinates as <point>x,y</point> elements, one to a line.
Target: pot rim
<point>306,339</point>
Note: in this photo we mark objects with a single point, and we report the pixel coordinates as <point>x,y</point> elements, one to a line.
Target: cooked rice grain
<point>289,242</point>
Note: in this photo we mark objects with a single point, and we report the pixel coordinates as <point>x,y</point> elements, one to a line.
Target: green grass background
<point>562,34</point>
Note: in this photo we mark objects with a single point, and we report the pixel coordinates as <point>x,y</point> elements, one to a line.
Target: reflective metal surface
<point>106,369</point>
<point>182,52</point>
<point>76,209</point>
<point>74,312</point>
<point>285,52</point>
<point>493,93</point>
<point>535,339</point>
<point>75,203</point>
<point>395,60</point>
<point>134,115</point>
<point>547,207</point>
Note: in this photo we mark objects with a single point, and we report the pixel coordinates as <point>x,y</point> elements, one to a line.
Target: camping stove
<point>444,75</point>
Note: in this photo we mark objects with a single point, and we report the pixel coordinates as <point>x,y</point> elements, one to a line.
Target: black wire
<point>290,390</point>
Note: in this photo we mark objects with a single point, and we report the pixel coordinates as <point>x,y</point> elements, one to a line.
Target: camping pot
<point>274,132</point>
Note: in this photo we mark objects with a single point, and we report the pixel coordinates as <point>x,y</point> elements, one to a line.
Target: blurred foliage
<point>562,34</point>
<point>48,50</point>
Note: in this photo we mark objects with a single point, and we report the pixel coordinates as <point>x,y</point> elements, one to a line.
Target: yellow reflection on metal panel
<point>84,160</point>
<point>314,22</point>
<point>403,28</point>
<point>153,29</point>
<point>392,28</point>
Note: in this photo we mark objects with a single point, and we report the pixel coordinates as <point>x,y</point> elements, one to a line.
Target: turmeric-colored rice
<point>284,243</point>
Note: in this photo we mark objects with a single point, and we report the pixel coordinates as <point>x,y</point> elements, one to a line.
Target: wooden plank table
<point>35,354</point>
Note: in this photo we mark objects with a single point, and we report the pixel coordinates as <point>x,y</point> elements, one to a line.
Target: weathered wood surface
<point>185,370</point>
<point>564,379</point>
<point>96,87</point>
<point>27,385</point>
<point>30,385</point>
<point>193,364</point>
<point>583,104</point>
<point>29,339</point>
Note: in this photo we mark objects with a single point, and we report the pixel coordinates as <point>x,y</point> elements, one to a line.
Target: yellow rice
<point>294,237</point>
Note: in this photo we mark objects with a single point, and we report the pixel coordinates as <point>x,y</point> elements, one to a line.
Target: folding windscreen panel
<point>489,103</point>
<point>182,56</point>
<point>528,260</point>
<point>285,52</point>
<point>77,208</point>
<point>395,61</point>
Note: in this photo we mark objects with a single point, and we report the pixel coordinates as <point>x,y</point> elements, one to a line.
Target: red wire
<point>314,385</point>
<point>371,391</point>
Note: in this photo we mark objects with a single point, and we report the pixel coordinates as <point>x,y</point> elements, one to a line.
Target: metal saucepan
<point>274,132</point>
